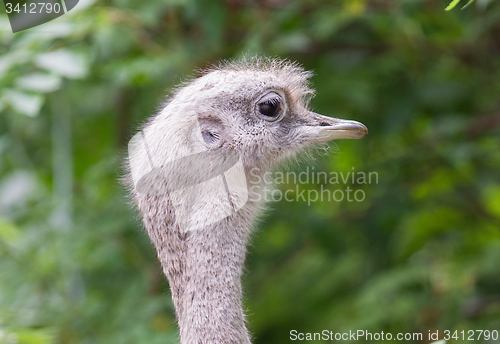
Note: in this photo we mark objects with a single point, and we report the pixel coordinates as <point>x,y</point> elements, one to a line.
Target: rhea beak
<point>327,128</point>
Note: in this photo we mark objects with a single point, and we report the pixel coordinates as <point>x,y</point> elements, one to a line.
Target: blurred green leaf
<point>8,231</point>
<point>64,63</point>
<point>491,196</point>
<point>39,82</point>
<point>26,104</point>
<point>452,5</point>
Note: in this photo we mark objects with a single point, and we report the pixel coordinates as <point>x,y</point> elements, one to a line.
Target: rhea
<point>195,170</point>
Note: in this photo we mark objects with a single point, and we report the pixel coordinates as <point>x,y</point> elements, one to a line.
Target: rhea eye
<point>270,107</point>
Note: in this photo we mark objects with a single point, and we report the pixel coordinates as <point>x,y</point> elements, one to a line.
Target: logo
<point>198,181</point>
<point>27,14</point>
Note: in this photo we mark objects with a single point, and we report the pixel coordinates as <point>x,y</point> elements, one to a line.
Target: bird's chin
<point>342,130</point>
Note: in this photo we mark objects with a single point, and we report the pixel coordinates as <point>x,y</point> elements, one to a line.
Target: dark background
<point>420,253</point>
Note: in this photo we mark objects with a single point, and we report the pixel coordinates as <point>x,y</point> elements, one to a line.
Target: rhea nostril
<point>324,124</point>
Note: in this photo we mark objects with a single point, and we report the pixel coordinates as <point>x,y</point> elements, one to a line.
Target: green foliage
<point>420,253</point>
<point>455,3</point>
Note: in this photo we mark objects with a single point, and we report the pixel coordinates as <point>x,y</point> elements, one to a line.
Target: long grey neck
<point>210,306</point>
<point>204,270</point>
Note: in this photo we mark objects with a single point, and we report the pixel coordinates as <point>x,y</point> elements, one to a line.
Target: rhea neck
<point>204,268</point>
<point>210,309</point>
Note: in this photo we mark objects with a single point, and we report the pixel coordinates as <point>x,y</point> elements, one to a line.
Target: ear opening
<point>211,131</point>
<point>210,137</point>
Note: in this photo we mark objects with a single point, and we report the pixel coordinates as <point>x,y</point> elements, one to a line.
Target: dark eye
<point>270,107</point>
